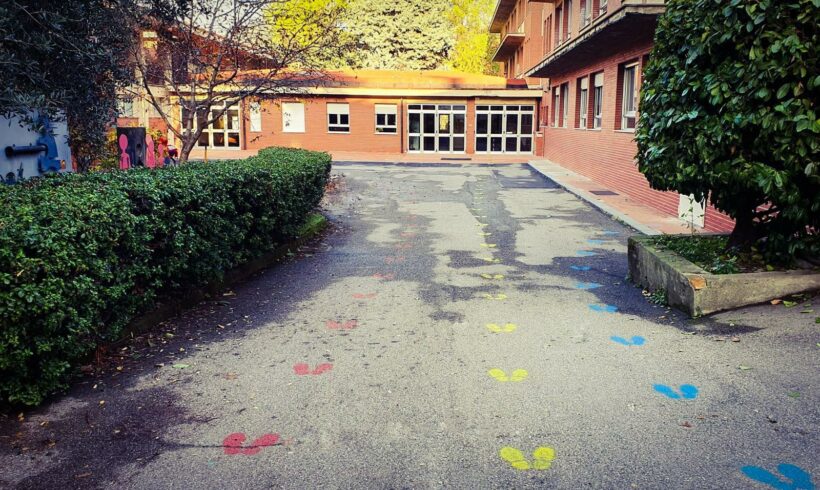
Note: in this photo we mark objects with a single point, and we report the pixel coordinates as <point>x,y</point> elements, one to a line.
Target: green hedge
<point>82,255</point>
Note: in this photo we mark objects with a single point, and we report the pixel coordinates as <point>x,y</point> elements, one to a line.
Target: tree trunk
<point>185,151</point>
<point>745,233</point>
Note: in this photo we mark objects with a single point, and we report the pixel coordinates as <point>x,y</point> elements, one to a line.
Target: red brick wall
<point>607,155</point>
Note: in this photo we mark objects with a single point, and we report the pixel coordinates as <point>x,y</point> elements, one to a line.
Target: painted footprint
<point>580,267</point>
<point>364,295</point>
<point>608,232</point>
<point>348,325</point>
<point>603,308</point>
<point>484,233</point>
<point>496,297</point>
<point>500,375</point>
<point>507,328</point>
<point>687,391</point>
<point>491,260</point>
<point>585,253</point>
<point>489,245</point>
<point>303,369</point>
<point>386,277</point>
<point>481,225</point>
<point>493,276</point>
<point>232,444</point>
<point>542,456</point>
<point>798,478</point>
<point>595,242</point>
<point>635,340</point>
<point>587,285</point>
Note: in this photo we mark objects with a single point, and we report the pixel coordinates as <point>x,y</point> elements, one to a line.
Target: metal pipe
<point>24,150</point>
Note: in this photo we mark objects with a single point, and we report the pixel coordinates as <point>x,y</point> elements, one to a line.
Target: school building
<point>588,56</point>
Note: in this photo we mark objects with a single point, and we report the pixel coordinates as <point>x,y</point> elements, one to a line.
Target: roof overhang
<point>634,22</point>
<point>453,93</point>
<point>508,45</point>
<point>503,9</point>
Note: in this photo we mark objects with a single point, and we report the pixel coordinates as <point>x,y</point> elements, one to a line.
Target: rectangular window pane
<point>444,123</point>
<point>444,143</point>
<point>391,119</point>
<point>511,145</point>
<point>381,119</point>
<point>459,123</point>
<point>219,123</point>
<point>293,117</point>
<point>458,143</point>
<point>219,139</point>
<point>482,107</point>
<point>203,139</point>
<point>415,123</point>
<point>526,123</point>
<point>496,121</point>
<point>429,123</point>
<point>495,144</point>
<point>429,143</point>
<point>333,118</point>
<point>526,145</point>
<point>481,123</point>
<point>481,144</point>
<point>233,140</point>
<point>415,143</point>
<point>414,106</point>
<point>233,119</point>
<point>459,108</point>
<point>345,119</point>
<point>512,124</point>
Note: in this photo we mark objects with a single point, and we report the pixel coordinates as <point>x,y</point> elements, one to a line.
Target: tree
<point>728,112</point>
<point>66,59</point>
<point>399,35</point>
<point>217,53</point>
<point>474,44</point>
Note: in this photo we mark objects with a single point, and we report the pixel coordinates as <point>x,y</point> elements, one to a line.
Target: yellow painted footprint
<point>500,375</point>
<point>496,297</point>
<point>491,260</point>
<point>493,276</point>
<point>542,457</point>
<point>489,245</point>
<point>481,225</point>
<point>507,328</point>
<point>484,233</point>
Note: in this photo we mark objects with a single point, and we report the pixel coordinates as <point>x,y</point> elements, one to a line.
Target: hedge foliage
<point>82,254</point>
<point>728,111</point>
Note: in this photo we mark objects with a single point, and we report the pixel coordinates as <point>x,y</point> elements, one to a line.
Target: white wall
<point>12,133</point>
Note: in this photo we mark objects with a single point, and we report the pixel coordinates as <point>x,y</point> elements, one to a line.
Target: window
<point>597,100</point>
<point>602,7</point>
<point>583,102</point>
<point>629,96</point>
<point>255,109</point>
<point>338,118</point>
<point>504,128</point>
<point>293,117</point>
<point>385,118</point>
<point>586,12</point>
<point>559,26</point>
<point>564,104</point>
<point>125,107</point>
<point>436,128</point>
<point>556,107</point>
<point>222,132</point>
<point>568,10</point>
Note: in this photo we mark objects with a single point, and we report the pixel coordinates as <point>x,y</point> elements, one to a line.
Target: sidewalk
<point>366,156</point>
<point>643,218</point>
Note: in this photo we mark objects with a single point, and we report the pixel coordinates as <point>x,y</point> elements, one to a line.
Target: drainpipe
<point>401,125</point>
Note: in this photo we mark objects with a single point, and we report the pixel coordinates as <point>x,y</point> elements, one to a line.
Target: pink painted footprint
<point>385,277</point>
<point>364,295</point>
<point>232,444</point>
<point>348,325</point>
<point>303,369</point>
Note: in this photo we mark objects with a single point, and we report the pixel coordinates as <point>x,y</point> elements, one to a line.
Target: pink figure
<point>150,157</point>
<point>125,160</point>
<point>161,153</point>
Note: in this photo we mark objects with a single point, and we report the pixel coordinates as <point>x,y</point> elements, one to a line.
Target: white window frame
<point>386,110</point>
<point>568,10</point>
<point>602,7</point>
<point>211,133</point>
<point>565,104</point>
<point>448,111</point>
<point>598,100</point>
<point>560,18</point>
<point>520,111</point>
<point>125,107</point>
<point>337,112</point>
<point>586,13</point>
<point>293,117</point>
<point>629,102</point>
<point>583,103</point>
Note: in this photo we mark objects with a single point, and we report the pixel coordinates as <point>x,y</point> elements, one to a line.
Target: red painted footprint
<point>364,295</point>
<point>304,369</point>
<point>403,246</point>
<point>386,277</point>
<point>232,444</point>
<point>407,234</point>
<point>348,325</point>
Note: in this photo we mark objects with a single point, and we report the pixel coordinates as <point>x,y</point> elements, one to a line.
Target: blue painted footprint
<point>798,478</point>
<point>587,285</point>
<point>585,253</point>
<point>595,242</point>
<point>608,232</point>
<point>580,267</point>
<point>603,308</point>
<point>635,340</point>
<point>687,392</point>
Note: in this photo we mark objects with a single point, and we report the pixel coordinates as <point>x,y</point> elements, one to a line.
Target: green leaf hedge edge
<point>81,255</point>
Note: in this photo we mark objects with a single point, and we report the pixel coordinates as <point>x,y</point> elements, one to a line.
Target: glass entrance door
<point>436,128</point>
<point>504,128</point>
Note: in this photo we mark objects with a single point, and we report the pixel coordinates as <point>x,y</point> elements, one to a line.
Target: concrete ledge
<point>697,292</point>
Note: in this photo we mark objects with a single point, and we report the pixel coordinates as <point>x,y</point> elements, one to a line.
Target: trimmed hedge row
<point>82,255</point>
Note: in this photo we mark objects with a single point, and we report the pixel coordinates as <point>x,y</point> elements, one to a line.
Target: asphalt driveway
<point>458,327</point>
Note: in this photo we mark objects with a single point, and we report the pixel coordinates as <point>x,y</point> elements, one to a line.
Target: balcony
<point>508,46</point>
<point>634,22</point>
<point>503,9</point>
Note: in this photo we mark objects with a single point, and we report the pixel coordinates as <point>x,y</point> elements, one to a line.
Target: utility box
<point>135,147</point>
<point>32,147</point>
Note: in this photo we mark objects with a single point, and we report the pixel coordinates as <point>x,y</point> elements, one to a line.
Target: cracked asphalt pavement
<point>459,326</point>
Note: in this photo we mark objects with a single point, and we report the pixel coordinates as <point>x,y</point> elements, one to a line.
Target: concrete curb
<point>315,224</point>
<point>698,292</point>
<point>597,203</point>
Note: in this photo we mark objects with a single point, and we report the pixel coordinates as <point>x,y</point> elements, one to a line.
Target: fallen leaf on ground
<point>744,368</point>
<point>807,311</point>
<point>789,304</point>
<point>776,301</point>
<point>793,394</point>
<point>181,366</point>
<point>83,475</point>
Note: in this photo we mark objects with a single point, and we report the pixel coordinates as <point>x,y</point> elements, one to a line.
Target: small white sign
<point>692,212</point>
